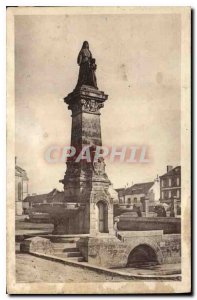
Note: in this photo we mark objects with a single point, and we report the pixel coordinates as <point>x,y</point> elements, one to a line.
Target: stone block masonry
<point>112,252</point>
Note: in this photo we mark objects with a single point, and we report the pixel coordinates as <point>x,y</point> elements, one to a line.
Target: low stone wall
<point>37,244</point>
<point>112,252</point>
<point>168,225</point>
<point>171,248</point>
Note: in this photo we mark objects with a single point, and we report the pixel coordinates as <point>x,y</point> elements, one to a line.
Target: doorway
<point>102,216</point>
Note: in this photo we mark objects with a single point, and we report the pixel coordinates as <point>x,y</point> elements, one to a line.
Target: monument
<point>86,208</point>
<point>89,203</point>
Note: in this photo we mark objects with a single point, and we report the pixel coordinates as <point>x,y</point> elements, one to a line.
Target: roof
<point>36,198</point>
<point>20,172</point>
<point>139,188</point>
<point>174,171</point>
<point>19,169</point>
<point>53,196</point>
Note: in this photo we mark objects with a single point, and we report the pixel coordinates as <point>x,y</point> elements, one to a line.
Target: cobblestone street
<point>33,269</point>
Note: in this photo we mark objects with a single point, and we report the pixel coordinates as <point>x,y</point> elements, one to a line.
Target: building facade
<point>143,195</point>
<point>170,188</point>
<point>121,195</point>
<point>21,188</point>
<point>31,200</point>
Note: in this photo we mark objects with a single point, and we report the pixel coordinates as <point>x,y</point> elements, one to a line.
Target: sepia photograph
<point>98,150</point>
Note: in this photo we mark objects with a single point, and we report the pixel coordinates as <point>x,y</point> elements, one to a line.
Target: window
<point>162,195</point>
<point>169,194</point>
<point>128,203</point>
<point>178,210</point>
<point>170,182</point>
<point>165,182</point>
<point>19,191</point>
<point>166,194</point>
<point>178,181</point>
<point>178,193</point>
<point>25,186</point>
<point>135,200</point>
<point>121,199</point>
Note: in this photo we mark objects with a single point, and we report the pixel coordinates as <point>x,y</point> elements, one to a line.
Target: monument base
<point>103,250</point>
<point>85,221</point>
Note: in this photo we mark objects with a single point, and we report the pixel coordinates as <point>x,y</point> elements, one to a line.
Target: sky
<point>138,66</point>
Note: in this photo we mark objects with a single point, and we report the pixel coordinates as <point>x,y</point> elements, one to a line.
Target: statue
<point>88,67</point>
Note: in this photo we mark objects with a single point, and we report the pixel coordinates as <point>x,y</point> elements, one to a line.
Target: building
<point>143,195</point>
<point>138,192</point>
<point>31,200</point>
<point>21,188</point>
<point>170,188</point>
<point>33,205</point>
<point>121,195</point>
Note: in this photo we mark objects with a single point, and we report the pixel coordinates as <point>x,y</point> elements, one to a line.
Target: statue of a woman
<point>87,69</point>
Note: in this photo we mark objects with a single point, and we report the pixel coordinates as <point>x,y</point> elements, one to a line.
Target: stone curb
<point>97,269</point>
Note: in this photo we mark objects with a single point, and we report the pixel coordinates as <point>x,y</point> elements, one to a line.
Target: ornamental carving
<point>86,105</point>
<point>100,195</point>
<point>99,167</point>
<point>91,105</point>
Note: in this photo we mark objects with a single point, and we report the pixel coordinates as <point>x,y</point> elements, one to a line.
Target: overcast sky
<point>138,66</point>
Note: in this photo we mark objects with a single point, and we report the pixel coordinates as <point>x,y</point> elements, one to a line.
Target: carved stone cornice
<point>86,99</point>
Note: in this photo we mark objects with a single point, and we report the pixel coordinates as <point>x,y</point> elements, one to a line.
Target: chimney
<point>169,168</point>
<point>15,160</point>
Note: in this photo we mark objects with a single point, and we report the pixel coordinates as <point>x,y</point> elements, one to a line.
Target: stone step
<point>68,240</point>
<point>79,259</point>
<point>60,245</point>
<point>73,254</point>
<point>73,249</point>
<point>63,247</point>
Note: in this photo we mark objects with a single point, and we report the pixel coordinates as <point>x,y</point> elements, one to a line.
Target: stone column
<point>146,202</point>
<point>86,182</point>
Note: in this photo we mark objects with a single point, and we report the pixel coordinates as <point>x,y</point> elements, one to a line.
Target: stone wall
<point>171,248</point>
<point>168,225</point>
<point>107,251</point>
<point>111,252</point>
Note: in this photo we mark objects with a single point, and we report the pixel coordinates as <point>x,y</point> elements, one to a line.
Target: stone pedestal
<point>37,244</point>
<point>103,251</point>
<point>86,182</point>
